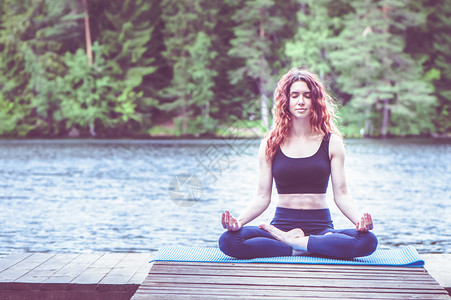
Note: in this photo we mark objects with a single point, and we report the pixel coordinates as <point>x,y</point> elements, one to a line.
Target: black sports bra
<point>304,175</point>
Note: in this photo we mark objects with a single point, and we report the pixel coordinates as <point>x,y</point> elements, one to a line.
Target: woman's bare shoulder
<point>335,138</point>
<point>336,145</point>
<point>263,144</point>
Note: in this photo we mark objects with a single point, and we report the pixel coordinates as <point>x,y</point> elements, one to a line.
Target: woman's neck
<point>300,129</point>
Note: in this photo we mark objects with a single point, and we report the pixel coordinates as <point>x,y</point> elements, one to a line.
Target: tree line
<point>122,68</point>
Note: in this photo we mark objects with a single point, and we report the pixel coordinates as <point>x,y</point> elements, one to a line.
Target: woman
<point>300,153</point>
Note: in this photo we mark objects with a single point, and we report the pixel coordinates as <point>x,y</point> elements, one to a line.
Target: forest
<point>199,68</point>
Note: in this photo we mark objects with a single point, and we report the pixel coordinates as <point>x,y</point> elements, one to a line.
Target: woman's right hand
<point>229,222</point>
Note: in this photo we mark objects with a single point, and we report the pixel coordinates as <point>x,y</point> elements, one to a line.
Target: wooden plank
<point>58,276</point>
<point>293,281</point>
<point>66,295</point>
<point>296,266</point>
<point>289,295</point>
<point>126,268</point>
<point>24,266</point>
<point>294,269</point>
<point>121,275</point>
<point>439,266</point>
<point>12,259</point>
<point>273,288</point>
<point>321,294</point>
<point>47,269</point>
<point>292,295</point>
<point>72,270</point>
<point>240,291</point>
<point>142,273</point>
<point>181,270</point>
<point>320,269</point>
<point>170,280</point>
<point>99,269</point>
<point>140,296</point>
<point>329,276</point>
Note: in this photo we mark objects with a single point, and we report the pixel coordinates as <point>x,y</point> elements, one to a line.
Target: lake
<point>138,195</point>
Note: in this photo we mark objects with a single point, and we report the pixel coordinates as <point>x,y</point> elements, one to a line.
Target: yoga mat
<point>405,256</point>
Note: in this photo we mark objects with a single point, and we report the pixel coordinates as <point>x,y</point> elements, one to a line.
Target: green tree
<point>30,39</point>
<point>14,97</point>
<point>229,104</point>
<point>89,97</point>
<point>430,43</point>
<point>381,78</point>
<point>260,34</point>
<point>131,39</point>
<point>188,34</point>
<point>309,45</point>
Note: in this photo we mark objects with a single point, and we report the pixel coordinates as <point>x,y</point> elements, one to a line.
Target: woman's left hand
<point>365,223</point>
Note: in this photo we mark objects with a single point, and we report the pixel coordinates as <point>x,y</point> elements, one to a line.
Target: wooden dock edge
<point>439,266</point>
<point>68,292</point>
<point>72,276</point>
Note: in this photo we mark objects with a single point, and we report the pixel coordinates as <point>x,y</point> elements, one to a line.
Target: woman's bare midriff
<point>302,201</point>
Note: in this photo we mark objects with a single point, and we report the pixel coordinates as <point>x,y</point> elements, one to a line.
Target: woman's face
<point>300,101</point>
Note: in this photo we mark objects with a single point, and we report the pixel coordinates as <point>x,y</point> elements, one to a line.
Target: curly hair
<point>323,109</point>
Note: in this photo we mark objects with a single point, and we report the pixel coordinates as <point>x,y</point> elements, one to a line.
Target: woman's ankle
<point>299,252</point>
<point>298,243</point>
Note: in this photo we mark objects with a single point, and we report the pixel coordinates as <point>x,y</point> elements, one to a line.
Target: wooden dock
<point>439,266</point>
<point>117,276</point>
<point>190,280</point>
<point>109,276</point>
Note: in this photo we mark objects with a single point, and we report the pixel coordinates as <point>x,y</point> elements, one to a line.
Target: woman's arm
<point>342,198</point>
<point>261,200</point>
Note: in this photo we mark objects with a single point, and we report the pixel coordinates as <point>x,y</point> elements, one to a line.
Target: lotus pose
<point>301,152</point>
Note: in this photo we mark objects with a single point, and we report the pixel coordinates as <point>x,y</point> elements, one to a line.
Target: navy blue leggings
<point>251,241</point>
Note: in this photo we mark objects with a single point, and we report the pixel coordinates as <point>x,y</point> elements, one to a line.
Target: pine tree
<point>430,44</point>
<point>308,47</point>
<point>30,40</point>
<point>14,97</point>
<point>262,27</point>
<point>188,34</point>
<point>382,79</point>
<point>130,35</point>
<point>89,97</point>
<point>441,28</point>
<point>230,96</point>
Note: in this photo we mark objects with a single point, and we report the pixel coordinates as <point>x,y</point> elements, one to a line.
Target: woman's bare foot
<point>295,233</point>
<point>294,238</point>
<point>275,232</point>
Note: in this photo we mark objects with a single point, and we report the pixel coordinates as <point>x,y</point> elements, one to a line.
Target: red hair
<point>321,118</point>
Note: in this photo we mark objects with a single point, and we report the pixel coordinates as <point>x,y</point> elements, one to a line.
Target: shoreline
<point>211,137</point>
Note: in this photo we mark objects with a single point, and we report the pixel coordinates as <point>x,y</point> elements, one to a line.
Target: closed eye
<point>295,95</point>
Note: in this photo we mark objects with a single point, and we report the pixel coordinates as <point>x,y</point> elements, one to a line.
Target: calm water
<point>90,195</point>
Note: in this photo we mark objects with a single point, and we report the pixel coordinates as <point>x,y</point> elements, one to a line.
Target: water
<point>102,195</point>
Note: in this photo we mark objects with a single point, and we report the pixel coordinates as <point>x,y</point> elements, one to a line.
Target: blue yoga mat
<point>405,256</point>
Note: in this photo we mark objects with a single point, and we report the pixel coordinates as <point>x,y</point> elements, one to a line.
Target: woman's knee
<point>228,242</point>
<point>368,243</point>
